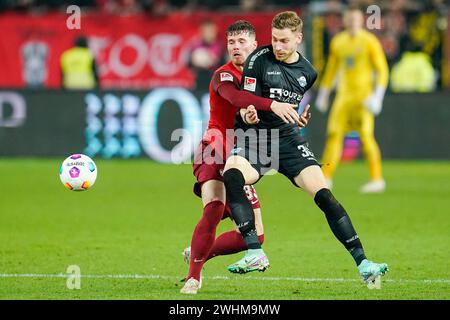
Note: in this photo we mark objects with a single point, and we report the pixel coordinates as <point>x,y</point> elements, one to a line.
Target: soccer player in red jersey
<point>226,99</point>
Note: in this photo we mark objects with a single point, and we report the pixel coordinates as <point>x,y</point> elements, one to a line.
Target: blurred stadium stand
<point>405,24</point>
<point>142,46</point>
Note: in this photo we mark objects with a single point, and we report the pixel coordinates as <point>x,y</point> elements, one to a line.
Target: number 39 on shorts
<point>305,152</point>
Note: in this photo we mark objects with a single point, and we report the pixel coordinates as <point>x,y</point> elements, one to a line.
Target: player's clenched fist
<point>249,115</point>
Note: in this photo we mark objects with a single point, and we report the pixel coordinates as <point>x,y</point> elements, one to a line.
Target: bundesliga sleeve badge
<point>250,84</point>
<point>225,76</point>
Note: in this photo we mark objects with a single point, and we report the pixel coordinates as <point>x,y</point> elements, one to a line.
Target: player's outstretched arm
<point>242,99</point>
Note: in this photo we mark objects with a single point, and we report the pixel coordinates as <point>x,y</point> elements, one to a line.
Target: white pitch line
<point>248,277</point>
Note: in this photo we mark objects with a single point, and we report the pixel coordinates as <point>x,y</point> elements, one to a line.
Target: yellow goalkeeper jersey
<point>359,61</point>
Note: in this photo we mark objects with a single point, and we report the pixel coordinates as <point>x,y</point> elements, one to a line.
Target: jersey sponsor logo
<point>275,93</point>
<point>225,76</point>
<point>284,95</point>
<point>250,84</point>
<point>273,73</point>
<point>302,81</point>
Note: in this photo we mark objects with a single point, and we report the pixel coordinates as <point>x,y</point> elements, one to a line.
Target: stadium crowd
<point>412,32</point>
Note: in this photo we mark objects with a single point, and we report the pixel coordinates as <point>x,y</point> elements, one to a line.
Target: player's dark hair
<point>287,19</point>
<point>241,26</point>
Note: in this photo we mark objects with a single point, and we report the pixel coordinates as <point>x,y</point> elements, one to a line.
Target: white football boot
<point>374,186</point>
<point>191,286</point>
<point>187,258</point>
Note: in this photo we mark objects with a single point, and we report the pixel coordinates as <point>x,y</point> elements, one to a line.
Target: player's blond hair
<point>288,19</point>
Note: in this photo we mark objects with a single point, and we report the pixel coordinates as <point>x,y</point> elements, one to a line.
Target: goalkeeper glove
<point>374,102</point>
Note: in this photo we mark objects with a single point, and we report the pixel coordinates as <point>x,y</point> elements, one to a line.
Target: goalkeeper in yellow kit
<point>355,56</point>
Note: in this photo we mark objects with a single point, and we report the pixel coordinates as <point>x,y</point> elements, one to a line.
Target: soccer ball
<point>78,172</point>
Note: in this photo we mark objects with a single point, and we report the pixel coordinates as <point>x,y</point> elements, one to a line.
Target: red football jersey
<point>222,113</point>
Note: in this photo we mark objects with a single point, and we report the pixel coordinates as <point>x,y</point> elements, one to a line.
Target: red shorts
<point>207,169</point>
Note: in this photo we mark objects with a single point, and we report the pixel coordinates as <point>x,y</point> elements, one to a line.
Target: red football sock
<point>228,243</point>
<point>203,237</point>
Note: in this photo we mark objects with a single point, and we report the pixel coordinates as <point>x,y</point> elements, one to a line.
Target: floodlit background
<point>153,62</point>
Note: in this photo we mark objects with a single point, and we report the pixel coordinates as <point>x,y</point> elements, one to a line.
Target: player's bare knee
<point>236,162</point>
<point>213,190</point>
<point>241,164</point>
<point>311,179</point>
<point>209,200</point>
<point>213,197</point>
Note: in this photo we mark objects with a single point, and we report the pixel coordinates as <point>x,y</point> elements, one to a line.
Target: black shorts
<point>286,154</point>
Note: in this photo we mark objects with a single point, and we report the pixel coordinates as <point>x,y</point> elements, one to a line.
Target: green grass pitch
<point>140,215</point>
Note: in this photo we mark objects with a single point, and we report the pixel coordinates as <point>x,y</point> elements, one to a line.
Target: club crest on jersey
<point>250,84</point>
<point>225,76</point>
<point>302,81</point>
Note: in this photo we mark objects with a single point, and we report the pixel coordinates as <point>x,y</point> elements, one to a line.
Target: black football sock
<point>340,224</point>
<point>241,208</point>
